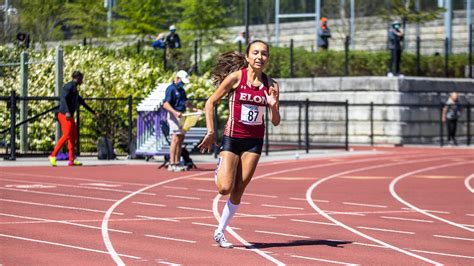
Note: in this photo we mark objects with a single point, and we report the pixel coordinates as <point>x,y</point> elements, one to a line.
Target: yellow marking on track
<point>365,177</point>
<point>438,176</point>
<point>336,160</point>
<point>291,178</point>
<point>398,160</point>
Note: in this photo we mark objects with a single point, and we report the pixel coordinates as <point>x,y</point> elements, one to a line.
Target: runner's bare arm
<point>273,100</point>
<point>227,85</point>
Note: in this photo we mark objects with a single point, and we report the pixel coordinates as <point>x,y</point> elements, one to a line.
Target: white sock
<point>227,214</point>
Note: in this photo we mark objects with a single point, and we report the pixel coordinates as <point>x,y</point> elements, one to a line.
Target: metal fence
<point>305,125</point>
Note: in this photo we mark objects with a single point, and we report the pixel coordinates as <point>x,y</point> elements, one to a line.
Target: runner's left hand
<point>272,98</point>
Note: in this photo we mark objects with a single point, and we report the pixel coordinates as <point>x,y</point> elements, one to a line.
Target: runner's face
<point>258,55</point>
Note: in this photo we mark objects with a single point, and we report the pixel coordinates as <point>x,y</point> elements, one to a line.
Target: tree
<point>87,18</point>
<point>40,18</point>
<point>142,17</point>
<point>202,18</point>
<point>407,12</point>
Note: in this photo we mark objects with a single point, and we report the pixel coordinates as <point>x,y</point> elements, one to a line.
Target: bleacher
<point>151,140</point>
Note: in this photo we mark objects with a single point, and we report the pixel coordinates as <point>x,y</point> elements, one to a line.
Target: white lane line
<point>410,209</point>
<point>321,260</point>
<point>469,214</point>
<point>65,245</point>
<point>282,207</point>
<point>468,184</point>
<point>149,204</point>
<point>397,197</point>
<point>301,199</point>
<point>178,188</point>
<point>312,222</point>
<point>157,218</point>
<point>212,225</point>
<point>242,202</point>
<point>56,206</point>
<point>61,222</point>
<point>105,220</point>
<point>469,225</point>
<point>173,239</point>
<point>386,230</point>
<point>312,188</point>
<point>346,213</point>
<point>182,197</point>
<point>81,186</point>
<point>95,180</point>
<point>194,209</point>
<point>57,194</point>
<point>261,195</point>
<point>442,254</point>
<point>268,216</point>
<point>365,205</point>
<point>207,190</point>
<point>281,234</point>
<point>406,219</point>
<point>247,244</point>
<point>368,245</point>
<point>453,237</point>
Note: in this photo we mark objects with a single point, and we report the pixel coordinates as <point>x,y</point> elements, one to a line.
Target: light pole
<point>6,18</point>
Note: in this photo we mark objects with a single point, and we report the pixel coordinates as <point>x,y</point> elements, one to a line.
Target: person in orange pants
<point>69,101</point>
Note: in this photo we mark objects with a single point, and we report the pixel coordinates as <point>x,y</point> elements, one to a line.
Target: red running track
<point>399,206</point>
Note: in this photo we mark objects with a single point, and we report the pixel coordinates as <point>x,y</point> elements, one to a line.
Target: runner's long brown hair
<point>230,62</point>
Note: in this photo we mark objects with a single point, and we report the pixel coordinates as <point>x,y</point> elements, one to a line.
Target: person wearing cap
<point>324,34</point>
<point>395,36</point>
<point>172,40</point>
<point>175,103</point>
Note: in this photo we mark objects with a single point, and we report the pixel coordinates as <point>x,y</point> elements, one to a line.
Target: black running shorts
<point>240,145</point>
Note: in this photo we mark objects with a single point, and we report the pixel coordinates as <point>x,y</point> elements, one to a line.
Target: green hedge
<point>361,63</point>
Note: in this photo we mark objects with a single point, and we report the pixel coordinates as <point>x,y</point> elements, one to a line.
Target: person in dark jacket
<point>395,36</point>
<point>69,101</point>
<point>324,34</point>
<point>451,114</point>
<point>172,40</point>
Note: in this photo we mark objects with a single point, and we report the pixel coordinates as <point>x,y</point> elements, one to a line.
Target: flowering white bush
<point>107,73</point>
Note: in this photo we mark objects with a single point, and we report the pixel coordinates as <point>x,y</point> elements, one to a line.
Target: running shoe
<point>52,160</point>
<point>171,168</point>
<point>74,163</point>
<point>180,168</point>
<point>221,241</point>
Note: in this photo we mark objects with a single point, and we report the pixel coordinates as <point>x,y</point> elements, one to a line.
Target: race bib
<point>252,114</point>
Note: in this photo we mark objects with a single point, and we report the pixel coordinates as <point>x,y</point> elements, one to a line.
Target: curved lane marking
<point>310,190</point>
<point>105,220</point>
<point>468,184</point>
<point>262,253</point>
<point>397,197</point>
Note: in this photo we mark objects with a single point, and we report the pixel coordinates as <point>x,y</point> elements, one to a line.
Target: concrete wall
<point>392,125</point>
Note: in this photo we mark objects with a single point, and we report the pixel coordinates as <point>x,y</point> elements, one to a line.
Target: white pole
<point>448,24</point>
<point>318,18</point>
<point>352,24</point>
<point>469,13</point>
<point>277,22</point>
<point>109,18</point>
<point>6,21</point>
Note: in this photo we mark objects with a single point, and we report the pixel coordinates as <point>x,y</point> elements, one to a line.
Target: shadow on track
<point>294,243</point>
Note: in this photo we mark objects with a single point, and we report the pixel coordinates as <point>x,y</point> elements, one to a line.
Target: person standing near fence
<point>324,34</point>
<point>451,114</point>
<point>250,92</point>
<point>395,36</point>
<point>69,101</point>
<point>175,103</point>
